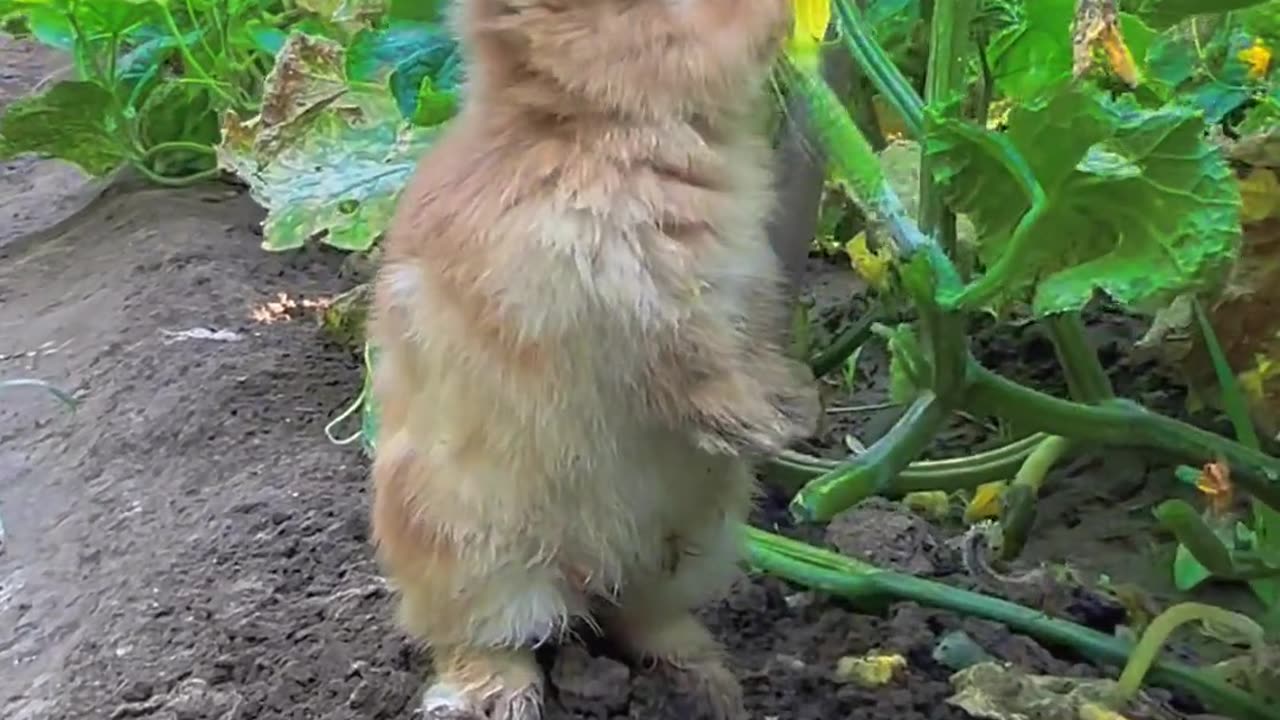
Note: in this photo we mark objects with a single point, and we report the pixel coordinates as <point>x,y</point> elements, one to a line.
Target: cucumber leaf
<point>1127,200</point>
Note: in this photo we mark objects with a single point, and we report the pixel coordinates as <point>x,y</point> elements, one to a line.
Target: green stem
<point>180,181</point>
<point>1148,648</point>
<point>858,581</point>
<point>1086,379</point>
<point>53,390</point>
<point>1123,423</point>
<point>882,72</point>
<point>853,336</point>
<point>801,329</point>
<point>946,77</point>
<point>1015,451</point>
<point>1040,461</point>
<point>113,49</point>
<point>852,158</point>
<point>192,64</point>
<point>828,495</point>
<point>791,471</point>
<point>178,146</point>
<point>1018,502</point>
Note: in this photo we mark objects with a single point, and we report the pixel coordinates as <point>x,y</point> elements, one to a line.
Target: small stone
<point>788,662</point>
<point>136,691</point>
<point>800,600</point>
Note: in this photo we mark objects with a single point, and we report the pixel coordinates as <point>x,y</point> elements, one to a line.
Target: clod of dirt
<point>590,686</point>
<point>193,699</point>
<point>888,535</point>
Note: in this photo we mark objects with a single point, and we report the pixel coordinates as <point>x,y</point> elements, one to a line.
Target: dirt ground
<point>189,544</point>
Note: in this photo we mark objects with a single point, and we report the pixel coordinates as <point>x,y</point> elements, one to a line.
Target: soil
<point>189,544</point>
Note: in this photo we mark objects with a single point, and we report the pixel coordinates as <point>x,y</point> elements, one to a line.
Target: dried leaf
<point>326,158</point>
<point>1097,27</point>
<point>1259,195</point>
<point>1215,483</point>
<point>871,670</point>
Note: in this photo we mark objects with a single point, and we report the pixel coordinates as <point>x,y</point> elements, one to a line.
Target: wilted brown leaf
<point>1097,27</point>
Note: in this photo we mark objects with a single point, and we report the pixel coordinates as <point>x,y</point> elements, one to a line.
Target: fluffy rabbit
<point>580,323</point>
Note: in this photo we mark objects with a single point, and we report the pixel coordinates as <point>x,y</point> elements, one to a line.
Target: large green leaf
<point>327,160</point>
<point>1036,53</point>
<point>1167,13</point>
<point>421,10</point>
<point>72,121</point>
<point>375,52</point>
<point>58,22</point>
<point>1131,201</point>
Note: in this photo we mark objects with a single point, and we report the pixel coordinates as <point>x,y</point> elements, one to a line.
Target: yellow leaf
<point>932,504</point>
<point>1258,58</point>
<point>1259,195</point>
<point>872,266</point>
<point>998,113</point>
<point>871,670</point>
<point>986,501</point>
<point>811,20</point>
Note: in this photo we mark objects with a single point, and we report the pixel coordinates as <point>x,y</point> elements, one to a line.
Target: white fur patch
<point>403,282</point>
<point>528,610</point>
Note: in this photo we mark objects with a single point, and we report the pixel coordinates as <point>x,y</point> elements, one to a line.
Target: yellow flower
<point>1215,483</point>
<point>986,501</point>
<point>872,266</point>
<point>1258,58</point>
<point>810,28</point>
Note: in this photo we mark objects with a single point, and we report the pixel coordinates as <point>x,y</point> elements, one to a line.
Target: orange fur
<point>580,320</point>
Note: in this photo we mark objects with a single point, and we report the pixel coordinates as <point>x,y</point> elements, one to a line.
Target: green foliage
<point>1187,51</point>
<point>72,121</point>
<point>327,157</point>
<point>321,106</point>
<point>1088,192</point>
<point>150,78</point>
<point>1035,53</point>
<point>1167,13</point>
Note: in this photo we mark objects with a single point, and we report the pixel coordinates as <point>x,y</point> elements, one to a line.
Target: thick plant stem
<point>1144,655</point>
<point>1018,503</point>
<point>791,471</point>
<point>1086,379</point>
<point>1122,423</point>
<point>884,75</point>
<point>948,53</point>
<point>853,336</point>
<point>832,493</point>
<point>863,583</point>
<point>853,160</point>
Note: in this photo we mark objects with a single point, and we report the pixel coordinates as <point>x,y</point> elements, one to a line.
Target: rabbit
<point>580,326</point>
